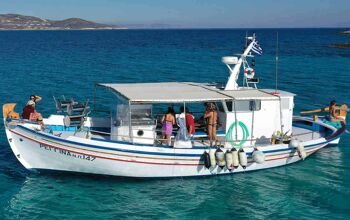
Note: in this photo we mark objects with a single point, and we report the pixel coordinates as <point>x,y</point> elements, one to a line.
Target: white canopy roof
<point>176,92</point>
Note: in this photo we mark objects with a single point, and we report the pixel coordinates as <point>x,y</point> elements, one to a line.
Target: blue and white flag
<point>256,48</point>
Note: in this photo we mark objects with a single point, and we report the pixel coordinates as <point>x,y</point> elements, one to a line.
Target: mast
<point>276,77</point>
<point>232,81</point>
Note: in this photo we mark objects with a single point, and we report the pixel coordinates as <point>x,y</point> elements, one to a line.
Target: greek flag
<point>256,48</point>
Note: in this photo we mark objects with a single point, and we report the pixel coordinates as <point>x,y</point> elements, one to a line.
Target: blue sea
<point>48,63</point>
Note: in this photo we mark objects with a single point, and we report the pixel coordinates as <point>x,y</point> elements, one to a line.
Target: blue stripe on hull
<point>154,153</point>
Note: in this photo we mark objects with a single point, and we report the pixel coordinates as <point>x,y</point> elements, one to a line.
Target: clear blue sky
<point>192,13</point>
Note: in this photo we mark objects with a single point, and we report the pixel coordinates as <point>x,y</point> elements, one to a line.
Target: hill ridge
<point>24,22</point>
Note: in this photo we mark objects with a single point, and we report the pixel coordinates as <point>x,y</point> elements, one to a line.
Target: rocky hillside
<point>21,22</point>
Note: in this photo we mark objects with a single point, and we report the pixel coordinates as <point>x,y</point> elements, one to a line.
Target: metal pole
<point>185,115</point>
<point>276,63</point>
<point>130,125</point>
<point>281,116</point>
<point>95,97</point>
<point>236,121</point>
<point>252,131</point>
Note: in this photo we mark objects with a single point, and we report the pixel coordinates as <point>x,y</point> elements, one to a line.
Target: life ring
<point>230,138</point>
<point>249,73</point>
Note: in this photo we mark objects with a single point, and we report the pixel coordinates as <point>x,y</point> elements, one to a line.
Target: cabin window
<point>122,116</point>
<point>141,115</point>
<point>120,129</point>
<point>221,106</point>
<point>247,105</point>
<point>285,103</point>
<point>229,106</point>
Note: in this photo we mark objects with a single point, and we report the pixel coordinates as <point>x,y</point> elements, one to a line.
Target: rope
<point>245,134</point>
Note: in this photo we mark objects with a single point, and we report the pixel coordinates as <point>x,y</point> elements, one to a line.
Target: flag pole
<point>276,62</point>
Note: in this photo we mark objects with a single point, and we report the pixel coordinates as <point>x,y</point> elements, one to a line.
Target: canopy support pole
<point>252,131</point>
<point>94,105</point>
<point>236,121</point>
<point>281,116</point>
<point>185,115</point>
<point>130,124</point>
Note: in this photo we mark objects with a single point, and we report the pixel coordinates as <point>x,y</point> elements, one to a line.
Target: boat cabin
<point>246,116</point>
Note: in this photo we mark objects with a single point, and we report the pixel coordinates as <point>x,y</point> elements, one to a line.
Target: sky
<point>191,13</point>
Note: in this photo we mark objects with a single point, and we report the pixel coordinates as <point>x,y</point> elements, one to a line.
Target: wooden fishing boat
<point>256,130</point>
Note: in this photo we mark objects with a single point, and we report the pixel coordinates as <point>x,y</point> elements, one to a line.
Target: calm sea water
<point>70,62</point>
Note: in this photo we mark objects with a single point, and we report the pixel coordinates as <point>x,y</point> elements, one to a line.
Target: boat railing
<point>140,122</point>
<point>158,141</point>
<point>101,110</point>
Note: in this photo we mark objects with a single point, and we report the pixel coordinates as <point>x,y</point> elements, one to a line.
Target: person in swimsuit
<point>332,114</point>
<point>168,121</point>
<point>211,116</point>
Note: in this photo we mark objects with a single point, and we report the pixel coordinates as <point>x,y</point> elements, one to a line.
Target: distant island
<point>344,32</point>
<point>341,45</point>
<point>22,22</point>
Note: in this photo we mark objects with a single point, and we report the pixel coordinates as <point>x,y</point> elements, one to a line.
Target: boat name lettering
<point>67,153</point>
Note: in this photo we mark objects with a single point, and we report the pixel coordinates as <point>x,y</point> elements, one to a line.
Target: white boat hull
<point>42,151</point>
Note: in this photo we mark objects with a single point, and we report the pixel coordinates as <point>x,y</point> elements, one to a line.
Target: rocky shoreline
<point>344,32</point>
<point>22,22</point>
<point>343,45</point>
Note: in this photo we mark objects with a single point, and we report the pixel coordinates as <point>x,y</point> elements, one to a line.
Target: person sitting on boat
<point>189,121</point>
<point>211,117</point>
<point>168,121</point>
<point>29,111</point>
<point>332,114</point>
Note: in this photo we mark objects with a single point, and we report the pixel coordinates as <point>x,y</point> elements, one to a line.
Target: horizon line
<point>176,28</point>
<point>140,25</point>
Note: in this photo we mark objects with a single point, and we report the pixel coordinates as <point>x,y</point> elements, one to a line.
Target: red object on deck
<point>27,110</point>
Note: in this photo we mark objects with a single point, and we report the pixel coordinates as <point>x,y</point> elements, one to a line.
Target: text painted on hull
<point>67,153</point>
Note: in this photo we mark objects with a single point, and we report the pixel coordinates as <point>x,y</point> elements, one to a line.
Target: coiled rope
<point>245,134</point>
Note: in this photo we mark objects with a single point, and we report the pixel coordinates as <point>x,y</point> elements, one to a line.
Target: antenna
<point>276,62</point>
